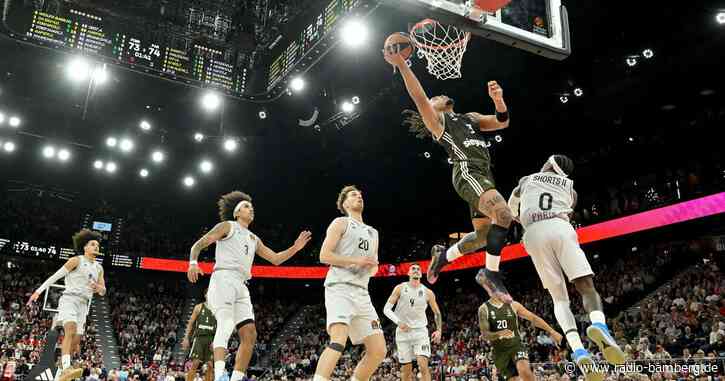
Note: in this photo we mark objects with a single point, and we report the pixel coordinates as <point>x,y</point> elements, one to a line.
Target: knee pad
<point>337,347</point>
<point>224,329</point>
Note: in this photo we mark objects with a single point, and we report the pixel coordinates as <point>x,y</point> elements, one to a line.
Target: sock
<point>319,378</point>
<point>237,375</point>
<point>597,317</point>
<point>453,253</point>
<point>218,369</point>
<point>492,262</point>
<point>575,342</point>
<point>65,361</point>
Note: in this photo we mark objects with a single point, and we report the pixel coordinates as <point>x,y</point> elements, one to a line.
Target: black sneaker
<point>492,283</point>
<point>437,262</point>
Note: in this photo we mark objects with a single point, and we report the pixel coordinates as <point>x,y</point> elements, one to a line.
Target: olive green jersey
<point>463,140</point>
<point>502,318</point>
<point>205,324</point>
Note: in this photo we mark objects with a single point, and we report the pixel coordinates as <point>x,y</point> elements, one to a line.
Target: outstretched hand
<point>393,56</point>
<point>193,273</point>
<point>302,240</point>
<point>33,298</point>
<point>495,91</point>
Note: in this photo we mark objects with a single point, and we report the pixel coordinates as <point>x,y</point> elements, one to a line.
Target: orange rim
<point>422,24</point>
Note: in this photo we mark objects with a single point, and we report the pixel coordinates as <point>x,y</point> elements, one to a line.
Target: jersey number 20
<point>364,244</point>
<point>502,324</point>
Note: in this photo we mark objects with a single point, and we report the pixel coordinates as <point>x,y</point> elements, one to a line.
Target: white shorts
<point>228,291</point>
<point>351,305</point>
<point>553,247</point>
<point>412,344</point>
<point>72,308</point>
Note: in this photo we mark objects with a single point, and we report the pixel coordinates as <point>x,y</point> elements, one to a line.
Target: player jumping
<point>351,249</point>
<point>411,299</point>
<point>545,200</point>
<point>83,278</point>
<point>228,296</point>
<point>199,334</point>
<point>499,324</point>
<point>460,135</point>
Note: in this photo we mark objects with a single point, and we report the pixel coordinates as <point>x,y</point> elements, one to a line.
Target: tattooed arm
<point>438,316</point>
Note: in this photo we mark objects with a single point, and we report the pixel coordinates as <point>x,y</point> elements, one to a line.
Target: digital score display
<point>321,25</point>
<point>116,42</point>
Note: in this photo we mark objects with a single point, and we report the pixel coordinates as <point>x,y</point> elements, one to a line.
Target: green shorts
<point>470,180</point>
<point>506,359</point>
<point>201,349</point>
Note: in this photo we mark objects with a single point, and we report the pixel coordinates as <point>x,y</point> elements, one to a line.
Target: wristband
<point>502,117</point>
<point>193,262</point>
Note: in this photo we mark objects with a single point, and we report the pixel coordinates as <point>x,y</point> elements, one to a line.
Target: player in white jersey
<point>228,296</point>
<point>351,249</point>
<point>83,277</point>
<point>545,200</point>
<point>411,299</point>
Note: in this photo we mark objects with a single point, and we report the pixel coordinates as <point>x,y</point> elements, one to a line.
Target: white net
<point>442,46</point>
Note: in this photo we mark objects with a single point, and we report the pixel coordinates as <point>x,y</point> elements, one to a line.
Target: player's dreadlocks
<point>82,238</point>
<point>228,202</point>
<point>415,124</point>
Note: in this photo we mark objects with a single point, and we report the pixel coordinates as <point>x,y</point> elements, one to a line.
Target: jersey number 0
<point>545,201</point>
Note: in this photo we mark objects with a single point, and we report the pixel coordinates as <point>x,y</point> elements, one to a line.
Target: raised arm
<point>437,315</point>
<point>219,231</point>
<point>69,266</point>
<point>493,122</point>
<point>190,325</point>
<point>279,258</point>
<point>327,252</point>
<point>538,322</point>
<point>417,94</point>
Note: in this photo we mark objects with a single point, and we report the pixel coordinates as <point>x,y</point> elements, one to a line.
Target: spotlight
<point>354,33</point>
<point>78,69</point>
<point>48,152</point>
<point>498,138</point>
<point>263,114</point>
<point>100,75</point>
<point>631,139</point>
<point>126,145</point>
<point>157,156</point>
<point>347,107</point>
<point>206,166</point>
<point>199,137</point>
<point>146,126</point>
<point>355,100</point>
<point>648,53</point>
<point>111,167</point>
<point>63,155</point>
<point>189,181</point>
<point>720,18</point>
<point>111,142</point>
<point>578,92</point>
<point>426,155</point>
<point>9,146</point>
<point>564,99</point>
<point>210,101</point>
<point>2,118</point>
<point>631,61</point>
<point>143,172</point>
<point>230,144</point>
<point>297,84</point>
<point>98,164</point>
<point>14,121</point>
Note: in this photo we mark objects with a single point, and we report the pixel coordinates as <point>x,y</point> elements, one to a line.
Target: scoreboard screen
<point>300,45</point>
<point>118,42</point>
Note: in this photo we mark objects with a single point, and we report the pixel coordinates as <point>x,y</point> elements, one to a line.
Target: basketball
<point>491,5</point>
<point>400,42</point>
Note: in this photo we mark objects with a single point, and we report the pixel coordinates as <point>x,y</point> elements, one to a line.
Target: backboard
<point>537,26</point>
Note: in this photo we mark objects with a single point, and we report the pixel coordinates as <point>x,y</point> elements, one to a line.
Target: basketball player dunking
<point>545,200</point>
<point>351,249</point>
<point>83,277</point>
<point>228,296</point>
<point>472,179</point>
<point>411,299</point>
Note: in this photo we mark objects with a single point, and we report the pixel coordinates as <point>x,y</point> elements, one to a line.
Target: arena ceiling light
<point>631,61</point>
<point>720,18</point>
<point>145,125</point>
<point>111,141</point>
<point>98,164</point>
<point>157,156</point>
<point>347,107</point>
<point>206,166</point>
<point>356,100</point>
<point>297,84</point>
<point>199,137</point>
<point>210,101</point>
<point>126,145</point>
<point>262,114</point>
<point>48,152</point>
<point>578,92</point>
<point>14,122</point>
<point>63,154</point>
<point>230,144</point>
<point>99,75</point>
<point>563,99</point>
<point>354,33</point>
<point>111,167</point>
<point>143,172</point>
<point>648,53</point>
<point>189,181</point>
<point>9,147</point>
<point>78,69</point>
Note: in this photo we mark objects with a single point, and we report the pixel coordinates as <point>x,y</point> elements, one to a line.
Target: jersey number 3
<point>364,244</point>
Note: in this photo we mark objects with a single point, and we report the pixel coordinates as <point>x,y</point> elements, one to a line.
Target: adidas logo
<point>46,375</point>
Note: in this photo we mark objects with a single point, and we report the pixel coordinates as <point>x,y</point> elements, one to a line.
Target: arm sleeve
<point>53,278</point>
<point>388,311</point>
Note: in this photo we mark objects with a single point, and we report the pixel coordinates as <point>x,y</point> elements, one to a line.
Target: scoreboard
<point>320,26</point>
<point>81,31</point>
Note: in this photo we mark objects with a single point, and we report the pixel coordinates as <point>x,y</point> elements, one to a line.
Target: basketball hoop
<point>442,46</point>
